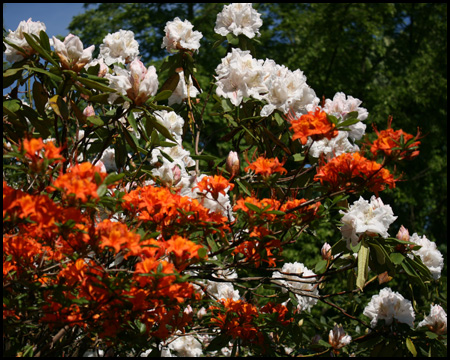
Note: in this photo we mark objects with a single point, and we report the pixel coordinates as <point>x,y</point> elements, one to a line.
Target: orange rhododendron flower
<point>393,143</point>
<point>238,321</point>
<point>315,124</point>
<point>80,181</point>
<point>33,150</point>
<point>214,185</point>
<point>117,236</point>
<point>266,166</point>
<point>351,170</point>
<point>160,206</point>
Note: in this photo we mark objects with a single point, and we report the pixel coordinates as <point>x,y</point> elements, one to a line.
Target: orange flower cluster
<point>281,310</point>
<point>394,143</point>
<point>40,235</point>
<point>80,291</point>
<point>270,209</point>
<point>237,320</point>
<point>168,211</point>
<point>349,171</point>
<point>266,166</point>
<point>315,124</point>
<point>261,245</point>
<point>214,185</point>
<point>260,248</point>
<point>36,150</point>
<point>80,181</point>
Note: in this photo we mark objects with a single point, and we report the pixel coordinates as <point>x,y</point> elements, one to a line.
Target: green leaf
<point>363,265</point>
<point>253,207</point>
<point>320,266</point>
<point>40,97</point>
<point>243,187</point>
<point>397,258</point>
<point>51,75</point>
<point>59,106</point>
<point>112,178</point>
<point>95,120</point>
<point>411,347</point>
<point>95,85</point>
<point>39,49</point>
<point>163,95</point>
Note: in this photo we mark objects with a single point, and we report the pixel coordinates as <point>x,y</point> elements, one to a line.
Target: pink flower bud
<point>233,164</point>
<point>176,174</point>
<point>403,234</point>
<point>89,111</point>
<point>326,252</point>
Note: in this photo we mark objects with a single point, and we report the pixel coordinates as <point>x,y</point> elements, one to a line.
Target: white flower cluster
<point>340,107</point>
<point>240,75</point>
<point>17,38</point>
<point>429,254</point>
<point>389,305</point>
<point>238,18</point>
<point>300,282</point>
<point>366,218</point>
<point>181,345</point>
<point>119,47</point>
<point>436,321</point>
<point>71,52</point>
<point>180,35</point>
<point>137,82</point>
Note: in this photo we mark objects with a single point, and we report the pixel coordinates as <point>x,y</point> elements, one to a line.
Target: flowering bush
<point>118,241</point>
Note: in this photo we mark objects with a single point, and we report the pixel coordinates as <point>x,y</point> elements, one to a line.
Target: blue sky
<point>55,16</point>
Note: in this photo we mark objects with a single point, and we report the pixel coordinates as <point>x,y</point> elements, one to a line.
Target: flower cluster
<point>18,39</point>
<point>350,171</point>
<point>71,52</point>
<point>266,166</point>
<point>395,143</point>
<point>315,125</point>
<point>238,18</point>
<point>240,75</point>
<point>389,305</point>
<point>181,36</point>
<point>364,218</point>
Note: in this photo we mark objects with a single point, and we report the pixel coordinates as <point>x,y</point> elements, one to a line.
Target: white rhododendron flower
<point>138,82</point>
<point>331,147</point>
<point>239,76</point>
<point>389,305</point>
<point>287,90</point>
<point>429,254</point>
<point>337,337</point>
<point>71,52</point>
<point>119,47</point>
<point>17,38</point>
<point>181,91</point>
<point>299,283</point>
<point>366,218</point>
<point>436,321</point>
<point>182,346</point>
<point>109,159</point>
<point>238,18</point>
<point>180,35</point>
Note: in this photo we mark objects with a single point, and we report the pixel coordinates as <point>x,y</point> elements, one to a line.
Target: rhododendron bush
<point>121,237</point>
